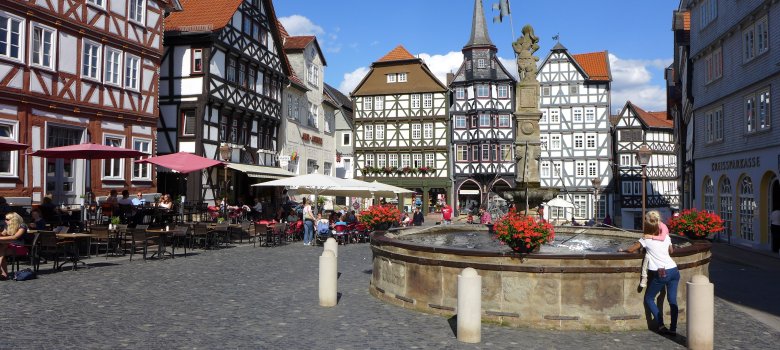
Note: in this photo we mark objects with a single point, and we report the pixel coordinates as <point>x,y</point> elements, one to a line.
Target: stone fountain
<point>527,194</point>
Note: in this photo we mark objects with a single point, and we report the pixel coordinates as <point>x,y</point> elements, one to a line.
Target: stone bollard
<point>328,279</point>
<point>331,244</point>
<point>469,306</point>
<point>700,313</point>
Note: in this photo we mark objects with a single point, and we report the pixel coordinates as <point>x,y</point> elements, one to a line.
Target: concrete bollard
<point>700,313</point>
<point>331,244</point>
<point>469,306</point>
<point>328,279</point>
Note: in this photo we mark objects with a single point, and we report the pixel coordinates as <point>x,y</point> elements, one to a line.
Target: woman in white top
<point>308,223</point>
<point>662,271</point>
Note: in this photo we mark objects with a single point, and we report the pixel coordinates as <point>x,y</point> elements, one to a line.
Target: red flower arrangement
<point>523,233</point>
<point>693,223</point>
<point>380,216</point>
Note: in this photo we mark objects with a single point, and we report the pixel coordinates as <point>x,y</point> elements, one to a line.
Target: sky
<point>354,33</point>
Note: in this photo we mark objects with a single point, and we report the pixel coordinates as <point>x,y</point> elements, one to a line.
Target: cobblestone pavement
<point>266,298</point>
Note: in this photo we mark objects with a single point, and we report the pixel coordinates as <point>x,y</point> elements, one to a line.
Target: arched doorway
<point>726,205</point>
<point>469,197</point>
<point>768,200</point>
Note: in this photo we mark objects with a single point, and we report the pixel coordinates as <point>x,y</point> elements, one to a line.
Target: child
<point>652,216</point>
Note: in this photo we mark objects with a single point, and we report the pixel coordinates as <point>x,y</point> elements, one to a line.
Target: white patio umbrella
<point>385,187</point>
<point>323,185</point>
<point>560,203</point>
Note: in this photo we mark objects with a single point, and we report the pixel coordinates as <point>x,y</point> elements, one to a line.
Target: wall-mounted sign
<point>752,162</point>
<point>317,140</point>
<point>306,137</point>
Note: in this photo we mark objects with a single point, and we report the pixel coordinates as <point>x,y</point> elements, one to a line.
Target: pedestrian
<point>446,214</point>
<point>662,271</point>
<point>308,222</point>
<point>607,220</point>
<point>485,217</point>
<point>774,220</point>
<point>417,218</point>
<point>653,215</point>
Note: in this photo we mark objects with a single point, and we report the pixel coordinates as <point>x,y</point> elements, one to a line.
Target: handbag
<point>23,275</point>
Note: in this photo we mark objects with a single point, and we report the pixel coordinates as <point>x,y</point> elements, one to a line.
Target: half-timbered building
<point>679,102</point>
<point>72,72</point>
<point>735,125</point>
<point>344,138</point>
<point>401,127</point>
<point>634,127</point>
<point>482,119</point>
<point>221,95</point>
<point>575,131</point>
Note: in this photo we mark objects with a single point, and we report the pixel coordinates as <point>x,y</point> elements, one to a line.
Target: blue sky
<point>355,33</point>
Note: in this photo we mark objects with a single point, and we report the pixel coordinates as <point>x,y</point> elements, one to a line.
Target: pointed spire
<point>479,32</point>
<point>558,47</point>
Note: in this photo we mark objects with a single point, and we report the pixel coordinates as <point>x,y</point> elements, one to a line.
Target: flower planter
<point>520,247</point>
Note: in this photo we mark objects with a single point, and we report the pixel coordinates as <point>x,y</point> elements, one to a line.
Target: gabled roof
<point>202,15</point>
<point>399,53</point>
<point>299,43</point>
<point>595,64</point>
<point>651,119</point>
<point>338,96</point>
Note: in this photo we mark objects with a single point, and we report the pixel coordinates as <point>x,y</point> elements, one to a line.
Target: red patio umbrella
<point>88,151</point>
<point>182,162</point>
<point>10,145</point>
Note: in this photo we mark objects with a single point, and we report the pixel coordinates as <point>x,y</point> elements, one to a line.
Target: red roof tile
<point>653,119</point>
<point>297,42</point>
<point>282,31</point>
<point>202,15</point>
<point>687,20</point>
<point>399,53</point>
<point>595,64</point>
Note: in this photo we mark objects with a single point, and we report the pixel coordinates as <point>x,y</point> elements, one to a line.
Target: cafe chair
<point>140,240</point>
<point>53,248</point>
<point>101,237</point>
<point>27,251</point>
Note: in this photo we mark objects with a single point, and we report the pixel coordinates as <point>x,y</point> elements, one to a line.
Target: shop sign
<point>752,162</point>
<point>306,137</point>
<point>317,140</point>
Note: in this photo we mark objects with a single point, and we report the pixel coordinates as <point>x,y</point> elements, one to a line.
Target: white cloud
<point>632,80</point>
<point>352,79</point>
<point>300,25</point>
<point>440,65</point>
<point>511,65</point>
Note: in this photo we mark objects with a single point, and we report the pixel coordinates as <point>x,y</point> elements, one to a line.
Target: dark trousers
<point>775,229</point>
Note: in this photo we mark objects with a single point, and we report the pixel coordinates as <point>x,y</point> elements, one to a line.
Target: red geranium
<point>377,215</point>
<point>695,224</point>
<point>515,229</point>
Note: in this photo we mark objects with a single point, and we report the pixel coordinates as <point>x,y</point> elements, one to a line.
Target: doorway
<point>61,174</point>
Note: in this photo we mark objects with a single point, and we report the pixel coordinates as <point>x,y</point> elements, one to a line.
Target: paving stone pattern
<point>266,298</point>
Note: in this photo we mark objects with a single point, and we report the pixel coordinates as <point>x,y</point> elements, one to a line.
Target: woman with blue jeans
<point>308,223</point>
<point>662,271</point>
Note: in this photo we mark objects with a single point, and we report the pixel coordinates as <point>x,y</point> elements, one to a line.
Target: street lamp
<point>596,187</point>
<point>644,154</point>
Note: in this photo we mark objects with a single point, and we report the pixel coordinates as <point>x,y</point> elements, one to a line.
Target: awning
<point>258,171</point>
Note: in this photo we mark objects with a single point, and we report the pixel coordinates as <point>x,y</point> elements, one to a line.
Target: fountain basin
<point>577,291</point>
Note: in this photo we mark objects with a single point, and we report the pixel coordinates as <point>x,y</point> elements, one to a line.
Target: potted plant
<point>380,217</point>
<point>524,234</point>
<point>425,170</point>
<point>388,170</point>
<point>114,221</point>
<point>695,224</point>
<point>407,170</point>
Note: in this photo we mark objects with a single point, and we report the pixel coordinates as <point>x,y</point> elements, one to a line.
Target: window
<point>481,64</point>
<point>314,115</point>
<point>197,61</point>
<point>555,143</point>
<point>136,10</point>
<point>368,132</point>
<point>503,91</point>
<point>401,77</point>
<point>545,169</point>
<point>379,103</point>
<point>462,153</point>
<point>580,205</point>
<point>311,163</point>
<point>572,90</point>
<point>132,64</point>
<point>112,168</point>
<point>313,75</point>
<point>494,155</point>
<point>592,168</point>
<point>326,168</point>
<point>543,119</point>
<point>708,12</point>
<point>713,65</point>
<point>579,141</point>
<point>406,160</point>
<point>391,78</point>
<point>590,141</point>
<point>415,101</point>
<point>460,93</point>
<point>590,114</point>
<point>42,46</point>
<point>485,152</point>
<point>100,3</point>
<point>428,131</point>
<point>543,142</point>
<point>234,131</point>
<point>726,205</point>
<point>709,195</point>
<point>714,125</point>
<point>757,111</point>
<point>576,114</point>
<point>231,69</point>
<point>90,60</point>
<point>250,80</point>
<point>427,100</point>
<point>474,121</point>
<point>367,103</point>
<point>506,153</point>
<point>460,121</point>
<point>113,67</point>
<point>546,91</point>
<point>392,160</point>
<point>747,206</point>
<point>223,128</point>
<point>142,171</point>
<point>8,159</point>
<point>241,74</point>
<point>755,39</point>
<point>503,121</point>
<point>430,160</point>
<point>628,188</point>
<point>579,168</point>
<point>416,131</point>
<point>11,31</point>
<point>381,160</point>
<point>417,160</point>
<point>626,160</point>
<point>474,153</point>
<point>346,139</point>
<point>557,169</point>
<point>484,120</point>
<point>483,90</point>
<point>188,123</point>
<point>555,116</point>
<point>379,132</point>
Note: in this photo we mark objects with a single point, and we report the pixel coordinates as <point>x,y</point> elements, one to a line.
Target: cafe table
<point>162,234</point>
<point>75,257</point>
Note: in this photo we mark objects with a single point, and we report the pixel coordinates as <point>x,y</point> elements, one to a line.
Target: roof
<point>399,53</point>
<point>202,15</point>
<point>652,119</point>
<point>338,96</point>
<point>282,31</point>
<point>687,20</point>
<point>479,32</point>
<point>297,42</point>
<point>595,64</point>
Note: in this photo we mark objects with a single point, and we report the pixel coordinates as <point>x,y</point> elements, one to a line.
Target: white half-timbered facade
<point>575,131</point>
<point>634,127</point>
<point>72,72</point>
<point>401,127</point>
<point>221,92</point>
<point>481,119</point>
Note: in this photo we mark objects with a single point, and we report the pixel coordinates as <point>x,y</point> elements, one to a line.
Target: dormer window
<point>481,63</point>
<point>391,78</point>
<point>401,77</point>
<point>396,78</point>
